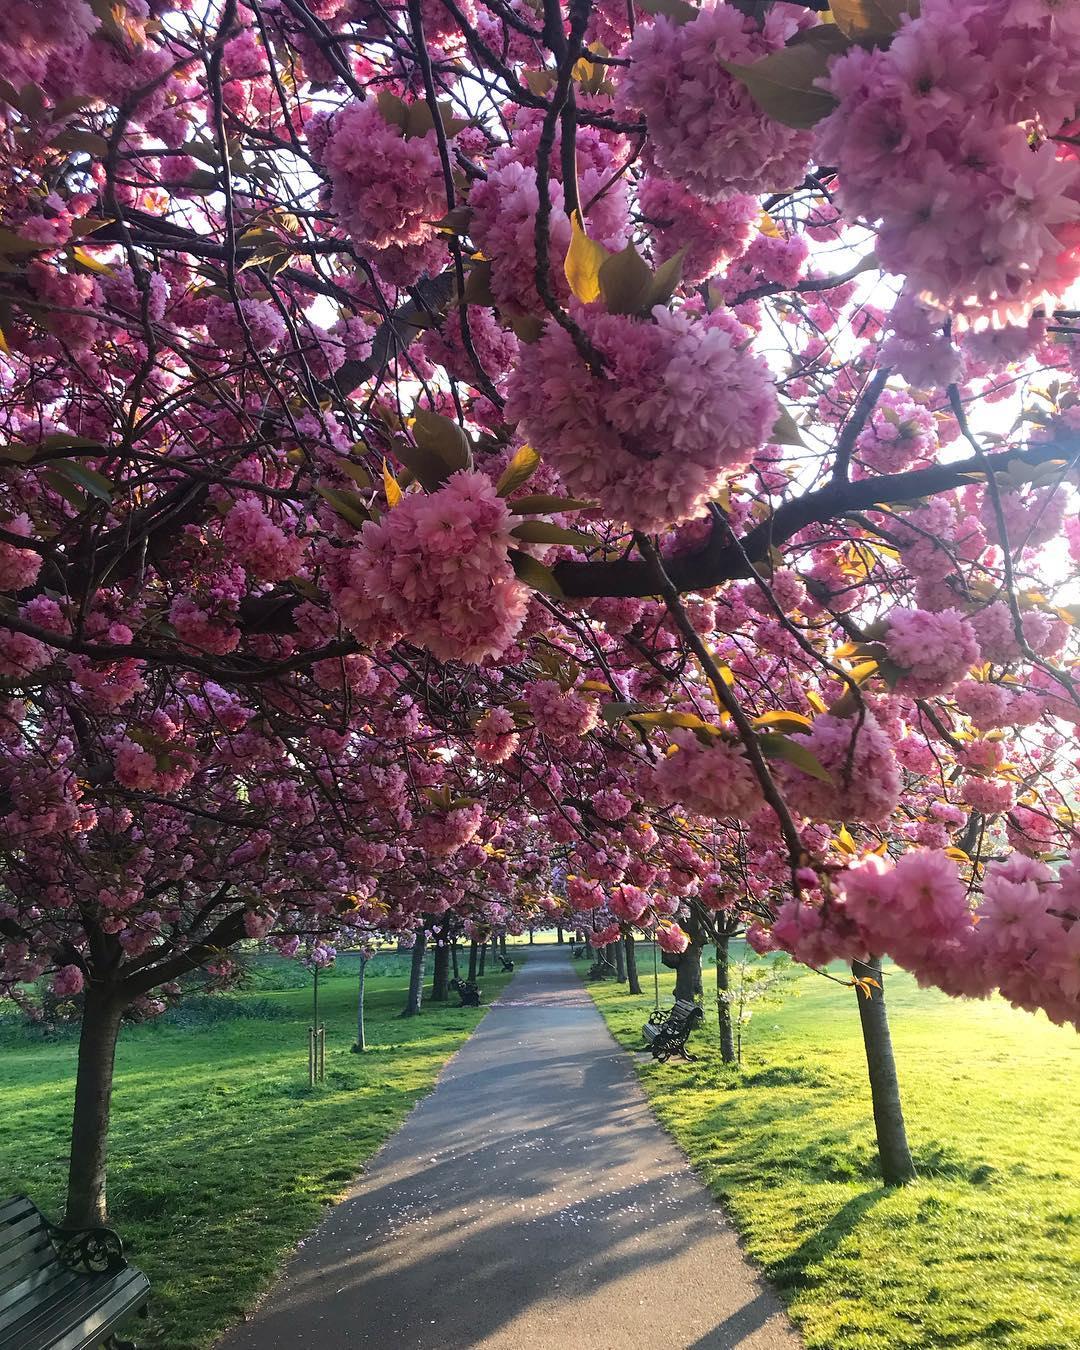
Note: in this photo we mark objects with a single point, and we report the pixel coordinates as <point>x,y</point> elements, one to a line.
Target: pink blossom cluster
<point>863,779</point>
<point>437,569</point>
<point>934,650</point>
<point>386,188</point>
<point>562,715</point>
<point>19,567</point>
<point>710,232</point>
<point>705,130</point>
<point>442,833</point>
<point>260,546</point>
<point>712,777</point>
<point>931,138</point>
<point>496,736</point>
<point>680,403</point>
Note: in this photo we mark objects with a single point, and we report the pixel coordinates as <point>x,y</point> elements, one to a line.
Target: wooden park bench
<point>507,964</point>
<point>63,1288</point>
<point>468,991</point>
<point>666,1033</point>
<point>600,970</point>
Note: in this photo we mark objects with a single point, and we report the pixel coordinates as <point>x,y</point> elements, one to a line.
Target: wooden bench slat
<point>87,1310</point>
<point>51,1304</point>
<point>33,1277</point>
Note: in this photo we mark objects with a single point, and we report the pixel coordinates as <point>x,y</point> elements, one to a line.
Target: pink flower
<point>712,779</point>
<point>259,545</point>
<point>437,569</point>
<point>562,715</point>
<point>863,776</point>
<point>19,567</point>
<point>68,981</point>
<point>680,403</point>
<point>671,938</point>
<point>934,650</point>
<point>705,130</point>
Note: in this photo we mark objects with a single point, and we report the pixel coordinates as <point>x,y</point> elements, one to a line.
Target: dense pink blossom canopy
<point>476,466</point>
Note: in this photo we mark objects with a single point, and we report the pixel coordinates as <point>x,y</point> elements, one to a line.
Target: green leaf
<point>542,502</point>
<point>88,141</point>
<point>624,279</point>
<point>783,747</point>
<point>786,431</point>
<point>871,23</point>
<point>348,504</point>
<point>670,720</point>
<point>534,574</point>
<point>783,84</point>
<point>443,438</point>
<point>521,468</point>
<point>93,482</point>
<point>546,532</point>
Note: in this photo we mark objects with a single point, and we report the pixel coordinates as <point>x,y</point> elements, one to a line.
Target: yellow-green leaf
<point>584,258</point>
<point>520,469</point>
<point>871,23</point>
<point>534,574</point>
<point>390,485</point>
<point>781,720</point>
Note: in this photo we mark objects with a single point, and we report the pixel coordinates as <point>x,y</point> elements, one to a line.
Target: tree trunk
<point>723,1007</point>
<point>473,949</point>
<point>894,1155</point>
<point>590,954</point>
<point>532,937</point>
<point>559,936</point>
<point>454,959</point>
<point>102,1012</point>
<point>440,978</point>
<point>483,957</point>
<point>631,964</point>
<point>416,976</point>
<point>620,961</point>
<point>361,1039</point>
<point>688,973</point>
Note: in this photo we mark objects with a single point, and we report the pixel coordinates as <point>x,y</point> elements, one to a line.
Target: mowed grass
<point>222,1157</point>
<point>983,1251</point>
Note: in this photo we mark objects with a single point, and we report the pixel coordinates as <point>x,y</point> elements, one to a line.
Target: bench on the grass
<point>507,964</point>
<point>666,1033</point>
<point>600,970</point>
<point>468,991</point>
<point>63,1288</point>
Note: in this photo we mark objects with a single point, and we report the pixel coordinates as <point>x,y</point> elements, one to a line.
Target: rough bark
<point>723,1007</point>
<point>559,938</point>
<point>102,1011</point>
<point>894,1155</point>
<point>631,964</point>
<point>414,1002</point>
<point>620,961</point>
<point>473,952</point>
<point>454,959</point>
<point>483,957</point>
<point>440,978</point>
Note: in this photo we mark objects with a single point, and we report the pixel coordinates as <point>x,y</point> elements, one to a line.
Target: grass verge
<point>983,1251</point>
<point>221,1156</point>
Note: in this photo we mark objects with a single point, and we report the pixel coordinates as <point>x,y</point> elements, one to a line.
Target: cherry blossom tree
<point>492,460</point>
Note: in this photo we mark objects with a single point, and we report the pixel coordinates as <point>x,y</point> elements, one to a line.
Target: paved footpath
<point>531,1201</point>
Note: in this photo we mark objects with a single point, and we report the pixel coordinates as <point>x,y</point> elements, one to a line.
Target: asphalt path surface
<point>530,1201</point>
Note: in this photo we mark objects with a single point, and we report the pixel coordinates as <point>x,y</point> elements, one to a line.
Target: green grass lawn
<point>222,1157</point>
<point>983,1251</point>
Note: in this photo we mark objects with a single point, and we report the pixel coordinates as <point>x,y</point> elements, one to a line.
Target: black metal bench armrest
<point>89,1251</point>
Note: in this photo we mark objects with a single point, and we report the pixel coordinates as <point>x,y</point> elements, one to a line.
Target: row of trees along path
<point>611,464</point>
